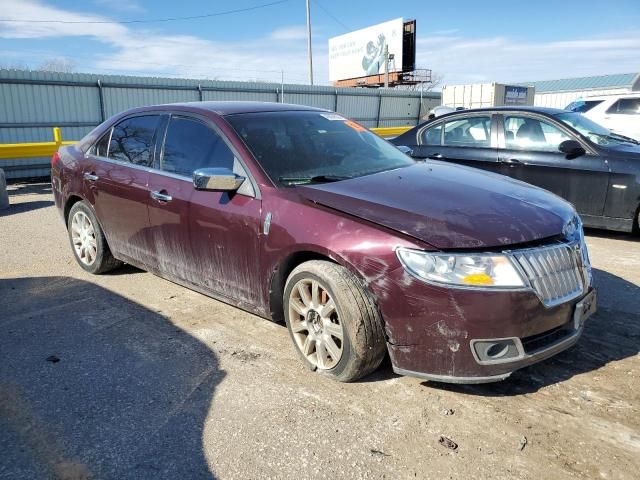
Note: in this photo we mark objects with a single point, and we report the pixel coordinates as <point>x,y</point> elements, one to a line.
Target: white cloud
<point>144,50</point>
<point>450,31</point>
<point>30,9</point>
<point>126,6</point>
<point>298,32</point>
<point>500,59</point>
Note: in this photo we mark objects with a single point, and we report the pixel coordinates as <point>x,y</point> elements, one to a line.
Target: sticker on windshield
<point>333,116</point>
<point>356,126</point>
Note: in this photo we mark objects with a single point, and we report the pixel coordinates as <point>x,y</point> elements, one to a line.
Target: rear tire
<point>333,321</point>
<point>87,240</point>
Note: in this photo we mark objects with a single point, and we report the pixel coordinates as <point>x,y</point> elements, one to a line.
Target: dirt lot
<point>130,376</point>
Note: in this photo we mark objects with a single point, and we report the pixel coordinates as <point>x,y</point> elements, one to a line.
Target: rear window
<point>468,132</point>
<point>102,147</point>
<point>132,140</point>
<point>625,106</point>
<point>432,135</point>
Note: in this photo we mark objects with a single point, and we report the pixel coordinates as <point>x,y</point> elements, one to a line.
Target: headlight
<point>465,270</point>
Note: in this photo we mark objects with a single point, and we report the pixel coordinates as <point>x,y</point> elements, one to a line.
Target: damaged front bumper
<point>466,336</point>
<point>522,360</point>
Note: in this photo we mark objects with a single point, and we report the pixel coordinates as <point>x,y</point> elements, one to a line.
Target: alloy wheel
<point>314,322</point>
<point>83,237</point>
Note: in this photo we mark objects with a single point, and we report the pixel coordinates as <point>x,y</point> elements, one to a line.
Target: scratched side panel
<point>299,226</point>
<point>225,239</point>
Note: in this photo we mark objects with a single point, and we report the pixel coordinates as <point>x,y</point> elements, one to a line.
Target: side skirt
<point>608,223</point>
<point>250,308</point>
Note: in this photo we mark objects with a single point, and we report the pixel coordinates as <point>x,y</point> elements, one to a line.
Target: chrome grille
<point>557,273</point>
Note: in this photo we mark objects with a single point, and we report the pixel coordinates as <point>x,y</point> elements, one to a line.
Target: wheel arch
<point>285,266</point>
<point>71,201</point>
<point>74,198</point>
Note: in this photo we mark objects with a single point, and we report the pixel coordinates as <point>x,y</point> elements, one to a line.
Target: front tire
<point>87,239</point>
<point>333,321</point>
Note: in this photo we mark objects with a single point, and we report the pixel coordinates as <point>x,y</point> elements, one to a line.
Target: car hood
<point>626,148</point>
<point>448,206</point>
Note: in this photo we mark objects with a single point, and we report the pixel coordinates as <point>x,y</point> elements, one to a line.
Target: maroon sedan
<point>299,214</point>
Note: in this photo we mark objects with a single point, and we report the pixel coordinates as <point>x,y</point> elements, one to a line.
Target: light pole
<point>386,66</point>
<point>309,44</point>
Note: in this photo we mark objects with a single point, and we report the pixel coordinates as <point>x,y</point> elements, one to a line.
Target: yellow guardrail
<point>30,150</point>
<point>390,131</point>
<point>47,149</point>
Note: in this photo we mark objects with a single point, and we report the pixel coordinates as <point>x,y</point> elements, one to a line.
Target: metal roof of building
<point>619,80</point>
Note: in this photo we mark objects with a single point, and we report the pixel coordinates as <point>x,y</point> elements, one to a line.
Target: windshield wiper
<point>617,136</point>
<point>315,179</point>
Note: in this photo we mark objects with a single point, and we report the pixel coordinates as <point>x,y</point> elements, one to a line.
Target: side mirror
<point>220,179</point>
<point>405,149</point>
<point>572,149</point>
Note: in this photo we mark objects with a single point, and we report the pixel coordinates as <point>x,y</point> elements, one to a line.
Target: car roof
<point>522,108</point>
<point>453,115</point>
<point>612,96</point>
<point>236,107</point>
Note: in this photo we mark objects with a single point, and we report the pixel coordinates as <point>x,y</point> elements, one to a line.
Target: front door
<point>468,140</point>
<point>116,183</point>
<point>530,153</point>
<point>206,238</point>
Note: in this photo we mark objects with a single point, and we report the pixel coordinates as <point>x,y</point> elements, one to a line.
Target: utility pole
<point>282,86</point>
<point>309,44</point>
<point>386,65</point>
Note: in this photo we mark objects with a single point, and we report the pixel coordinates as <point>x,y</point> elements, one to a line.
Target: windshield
<point>592,130</point>
<point>297,148</point>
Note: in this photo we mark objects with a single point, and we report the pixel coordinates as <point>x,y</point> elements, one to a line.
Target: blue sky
<point>463,41</point>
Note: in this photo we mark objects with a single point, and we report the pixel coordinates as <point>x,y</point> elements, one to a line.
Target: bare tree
<point>426,86</point>
<point>436,81</point>
<point>13,66</point>
<point>60,65</point>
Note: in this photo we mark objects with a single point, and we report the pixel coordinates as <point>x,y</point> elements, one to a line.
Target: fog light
<point>498,350</point>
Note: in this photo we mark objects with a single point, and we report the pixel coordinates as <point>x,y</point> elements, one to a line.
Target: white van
<point>618,113</point>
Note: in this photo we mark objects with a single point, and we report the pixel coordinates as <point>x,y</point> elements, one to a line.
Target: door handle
<point>436,156</point>
<point>512,162</point>
<point>92,177</point>
<point>161,197</point>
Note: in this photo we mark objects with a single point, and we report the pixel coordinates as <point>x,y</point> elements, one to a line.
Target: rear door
<point>529,152</point>
<point>116,183</point>
<point>206,238</point>
<point>468,140</point>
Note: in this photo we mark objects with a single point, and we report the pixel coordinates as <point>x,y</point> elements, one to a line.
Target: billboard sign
<point>361,53</point>
<point>515,95</point>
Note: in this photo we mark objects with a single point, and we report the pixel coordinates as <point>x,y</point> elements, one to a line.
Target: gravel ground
<point>130,376</point>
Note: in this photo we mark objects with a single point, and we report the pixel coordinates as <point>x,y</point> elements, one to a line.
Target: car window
<point>625,106</point>
<point>132,140</point>
<point>582,106</point>
<point>190,145</point>
<point>432,135</point>
<point>303,147</point>
<point>102,146</point>
<point>593,131</point>
<point>468,132</point>
<point>532,134</point>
